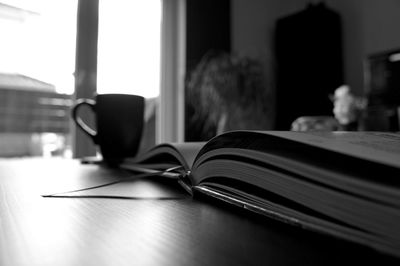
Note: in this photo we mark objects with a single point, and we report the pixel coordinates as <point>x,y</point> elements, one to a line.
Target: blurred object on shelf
<point>380,118</point>
<point>348,109</point>
<point>382,88</point>
<point>315,123</point>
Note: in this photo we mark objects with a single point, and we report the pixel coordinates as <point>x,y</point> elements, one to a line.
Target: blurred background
<point>204,67</point>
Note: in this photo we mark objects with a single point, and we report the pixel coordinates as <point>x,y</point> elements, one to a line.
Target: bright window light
<point>38,40</point>
<point>129,47</point>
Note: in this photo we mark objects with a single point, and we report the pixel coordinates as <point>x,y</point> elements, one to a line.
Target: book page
<point>188,150</point>
<point>381,147</point>
<point>182,154</point>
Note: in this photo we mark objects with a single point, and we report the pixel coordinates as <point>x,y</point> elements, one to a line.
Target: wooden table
<point>155,223</point>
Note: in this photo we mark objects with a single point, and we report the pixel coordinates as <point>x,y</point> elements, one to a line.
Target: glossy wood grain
<point>159,225</point>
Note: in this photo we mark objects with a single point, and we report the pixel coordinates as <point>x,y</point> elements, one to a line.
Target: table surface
<point>152,222</point>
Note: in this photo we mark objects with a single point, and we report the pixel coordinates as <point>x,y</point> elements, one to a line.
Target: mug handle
<point>79,122</point>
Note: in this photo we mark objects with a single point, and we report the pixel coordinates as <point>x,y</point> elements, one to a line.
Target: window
<point>38,57</point>
<point>37,54</point>
<point>129,47</point>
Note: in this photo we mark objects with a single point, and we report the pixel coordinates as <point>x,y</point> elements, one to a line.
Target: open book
<point>342,183</point>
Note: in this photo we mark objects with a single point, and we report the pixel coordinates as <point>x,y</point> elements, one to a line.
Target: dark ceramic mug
<point>119,124</point>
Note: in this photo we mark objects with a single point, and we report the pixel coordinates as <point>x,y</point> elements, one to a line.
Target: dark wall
<point>207,27</point>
